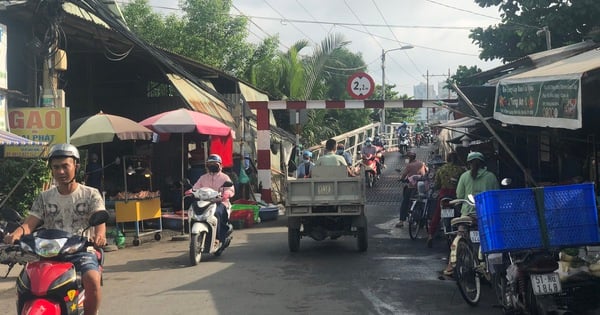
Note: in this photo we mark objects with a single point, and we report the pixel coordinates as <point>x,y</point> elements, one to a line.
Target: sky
<point>437,30</point>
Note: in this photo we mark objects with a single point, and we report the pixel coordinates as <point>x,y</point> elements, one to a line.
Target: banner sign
<point>542,102</point>
<point>44,124</point>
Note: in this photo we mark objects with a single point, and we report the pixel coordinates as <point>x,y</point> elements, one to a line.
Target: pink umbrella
<point>186,121</point>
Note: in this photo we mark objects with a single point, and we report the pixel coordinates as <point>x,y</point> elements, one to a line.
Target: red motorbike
<point>51,285</point>
<point>370,162</point>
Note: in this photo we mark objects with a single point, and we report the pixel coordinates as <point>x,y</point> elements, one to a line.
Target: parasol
<point>103,128</point>
<point>184,121</point>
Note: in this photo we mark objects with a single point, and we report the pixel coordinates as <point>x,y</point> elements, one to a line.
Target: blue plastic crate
<point>508,219</point>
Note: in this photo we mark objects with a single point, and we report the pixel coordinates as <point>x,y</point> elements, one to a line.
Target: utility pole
<point>383,52</point>
<point>427,76</point>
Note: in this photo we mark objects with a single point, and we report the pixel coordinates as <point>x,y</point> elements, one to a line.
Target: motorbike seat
<point>464,220</point>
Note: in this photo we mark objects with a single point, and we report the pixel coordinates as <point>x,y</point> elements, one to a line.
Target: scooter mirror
<point>228,184</point>
<point>506,181</point>
<point>98,218</point>
<point>11,215</point>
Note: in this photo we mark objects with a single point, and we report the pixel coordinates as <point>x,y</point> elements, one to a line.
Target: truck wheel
<point>294,239</point>
<point>362,239</point>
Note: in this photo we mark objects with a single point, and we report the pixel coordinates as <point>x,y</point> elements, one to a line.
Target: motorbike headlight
<point>49,247</point>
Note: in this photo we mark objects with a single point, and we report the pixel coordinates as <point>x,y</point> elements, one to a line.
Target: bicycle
<point>419,212</point>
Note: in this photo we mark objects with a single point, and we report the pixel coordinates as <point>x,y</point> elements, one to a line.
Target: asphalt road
<point>258,274</point>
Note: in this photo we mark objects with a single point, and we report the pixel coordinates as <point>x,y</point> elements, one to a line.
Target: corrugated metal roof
<point>200,100</point>
<point>575,65</point>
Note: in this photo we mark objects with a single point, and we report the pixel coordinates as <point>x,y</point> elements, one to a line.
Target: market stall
<point>138,203</point>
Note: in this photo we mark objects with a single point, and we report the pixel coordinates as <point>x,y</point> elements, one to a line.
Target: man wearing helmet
<point>341,150</point>
<point>414,167</point>
<point>215,179</point>
<point>67,207</point>
<point>305,168</point>
<point>369,151</point>
<point>472,182</point>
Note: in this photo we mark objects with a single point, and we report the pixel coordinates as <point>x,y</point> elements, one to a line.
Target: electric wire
<point>394,34</point>
<point>293,24</point>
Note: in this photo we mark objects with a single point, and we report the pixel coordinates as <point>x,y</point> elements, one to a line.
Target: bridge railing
<point>354,140</point>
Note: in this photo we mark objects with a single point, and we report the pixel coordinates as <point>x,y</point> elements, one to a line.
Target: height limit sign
<point>360,86</point>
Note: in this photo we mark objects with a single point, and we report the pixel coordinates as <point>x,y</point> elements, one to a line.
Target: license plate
<point>474,236</point>
<point>447,213</point>
<point>548,283</point>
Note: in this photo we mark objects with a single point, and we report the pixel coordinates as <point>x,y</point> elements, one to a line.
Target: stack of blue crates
<point>508,219</point>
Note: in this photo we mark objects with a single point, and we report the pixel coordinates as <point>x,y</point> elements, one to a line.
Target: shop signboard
<point>549,102</point>
<point>44,124</point>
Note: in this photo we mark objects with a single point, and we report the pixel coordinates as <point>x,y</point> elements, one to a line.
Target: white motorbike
<point>204,223</point>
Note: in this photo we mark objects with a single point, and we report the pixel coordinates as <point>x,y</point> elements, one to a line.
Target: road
<point>258,274</point>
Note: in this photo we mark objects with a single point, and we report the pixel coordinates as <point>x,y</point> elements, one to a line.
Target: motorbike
<point>372,166</point>
<point>12,220</point>
<point>524,281</point>
<point>204,223</point>
<point>51,285</point>
<point>404,143</point>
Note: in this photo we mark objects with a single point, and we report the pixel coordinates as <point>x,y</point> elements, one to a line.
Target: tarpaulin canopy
<point>547,96</point>
<point>9,138</point>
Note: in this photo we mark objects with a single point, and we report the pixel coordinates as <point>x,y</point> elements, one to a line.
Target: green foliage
<point>205,32</point>
<point>463,77</point>
<point>517,35</point>
<point>11,170</point>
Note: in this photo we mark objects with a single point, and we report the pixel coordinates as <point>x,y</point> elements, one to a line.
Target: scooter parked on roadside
<point>525,281</point>
<point>204,223</point>
<point>51,285</point>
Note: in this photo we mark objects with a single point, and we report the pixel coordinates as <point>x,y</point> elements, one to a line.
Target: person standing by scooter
<point>472,182</point>
<point>446,179</point>
<point>215,179</point>
<point>67,207</point>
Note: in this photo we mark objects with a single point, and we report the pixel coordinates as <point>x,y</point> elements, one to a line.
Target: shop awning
<point>548,96</point>
<point>464,122</point>
<point>9,138</point>
<point>252,95</point>
<point>201,100</point>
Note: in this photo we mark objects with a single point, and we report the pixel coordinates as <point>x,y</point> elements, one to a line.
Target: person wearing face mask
<point>215,179</point>
<point>341,151</point>
<point>370,151</point>
<point>305,168</point>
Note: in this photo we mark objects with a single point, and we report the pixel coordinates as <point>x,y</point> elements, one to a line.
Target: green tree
<point>204,32</point>
<point>518,33</point>
<point>11,171</point>
<point>464,77</point>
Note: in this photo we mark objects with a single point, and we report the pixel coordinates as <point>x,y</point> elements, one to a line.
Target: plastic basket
<point>254,208</point>
<point>508,219</point>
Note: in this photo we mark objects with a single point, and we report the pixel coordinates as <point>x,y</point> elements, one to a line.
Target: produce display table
<point>138,210</point>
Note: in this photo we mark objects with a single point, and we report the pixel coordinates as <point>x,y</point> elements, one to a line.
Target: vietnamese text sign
<point>548,102</point>
<point>44,124</point>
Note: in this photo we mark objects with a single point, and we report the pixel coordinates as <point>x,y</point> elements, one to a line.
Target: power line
<point>443,27</point>
<point>293,25</point>
<point>394,34</point>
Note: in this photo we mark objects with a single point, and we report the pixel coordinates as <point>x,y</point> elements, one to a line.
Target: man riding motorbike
<point>67,207</point>
<point>369,151</point>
